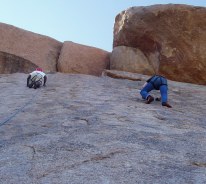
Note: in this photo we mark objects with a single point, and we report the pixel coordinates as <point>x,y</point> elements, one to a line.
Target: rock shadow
<point>10,63</point>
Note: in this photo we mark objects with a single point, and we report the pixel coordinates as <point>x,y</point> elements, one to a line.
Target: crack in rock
<point>92,159</point>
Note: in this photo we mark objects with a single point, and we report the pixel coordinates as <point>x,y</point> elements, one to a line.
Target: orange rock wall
<point>38,49</point>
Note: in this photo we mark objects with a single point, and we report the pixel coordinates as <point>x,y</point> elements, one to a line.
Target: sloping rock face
<point>172,37</point>
<point>97,130</point>
<point>40,50</point>
<point>77,58</point>
<point>10,63</point>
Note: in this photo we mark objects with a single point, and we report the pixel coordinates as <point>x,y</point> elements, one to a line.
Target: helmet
<point>39,69</point>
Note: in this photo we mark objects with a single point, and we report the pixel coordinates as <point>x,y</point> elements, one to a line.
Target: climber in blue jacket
<point>156,82</point>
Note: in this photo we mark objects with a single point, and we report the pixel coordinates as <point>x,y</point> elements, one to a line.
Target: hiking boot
<point>158,99</point>
<point>30,85</point>
<point>149,99</point>
<point>166,104</point>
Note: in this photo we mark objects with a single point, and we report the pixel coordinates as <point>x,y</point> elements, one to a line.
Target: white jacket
<point>37,76</point>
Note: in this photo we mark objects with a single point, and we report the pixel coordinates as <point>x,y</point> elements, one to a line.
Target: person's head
<point>39,69</point>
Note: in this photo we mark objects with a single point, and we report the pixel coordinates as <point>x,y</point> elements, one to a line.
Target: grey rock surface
<point>83,129</point>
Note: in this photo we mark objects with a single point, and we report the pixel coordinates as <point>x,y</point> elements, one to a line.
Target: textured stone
<point>10,63</point>
<point>171,36</point>
<point>38,49</point>
<point>94,130</point>
<point>131,60</point>
<point>77,58</point>
<point>124,75</point>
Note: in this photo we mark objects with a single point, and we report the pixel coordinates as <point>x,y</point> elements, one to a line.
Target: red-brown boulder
<point>77,58</point>
<point>40,50</point>
<point>172,35</point>
<point>10,63</point>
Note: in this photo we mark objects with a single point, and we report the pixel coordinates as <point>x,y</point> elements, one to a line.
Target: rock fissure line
<point>92,159</point>
<point>6,120</point>
<point>33,150</point>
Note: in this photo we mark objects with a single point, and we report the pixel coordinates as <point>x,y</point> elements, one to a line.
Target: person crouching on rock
<point>36,79</point>
<point>156,82</point>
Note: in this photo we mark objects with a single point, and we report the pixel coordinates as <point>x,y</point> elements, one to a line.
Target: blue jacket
<point>157,81</point>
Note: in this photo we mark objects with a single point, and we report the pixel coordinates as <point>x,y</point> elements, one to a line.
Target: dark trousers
<point>36,84</point>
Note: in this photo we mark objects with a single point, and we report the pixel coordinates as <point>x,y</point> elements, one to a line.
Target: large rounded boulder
<point>172,38</point>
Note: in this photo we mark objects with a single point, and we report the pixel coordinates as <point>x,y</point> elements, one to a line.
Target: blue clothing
<point>158,83</point>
